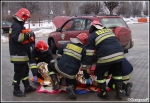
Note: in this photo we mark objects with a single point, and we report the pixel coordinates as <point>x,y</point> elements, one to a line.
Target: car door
<point>62,36</point>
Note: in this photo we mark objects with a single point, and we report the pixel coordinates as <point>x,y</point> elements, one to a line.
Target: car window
<point>113,22</point>
<point>88,24</point>
<point>78,24</point>
<point>67,26</point>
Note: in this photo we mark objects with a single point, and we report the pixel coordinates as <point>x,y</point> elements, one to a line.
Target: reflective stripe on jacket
<point>108,49</point>
<point>18,52</point>
<point>37,57</point>
<point>73,55</point>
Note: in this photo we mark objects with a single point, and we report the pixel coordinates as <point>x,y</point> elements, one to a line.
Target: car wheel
<point>52,46</point>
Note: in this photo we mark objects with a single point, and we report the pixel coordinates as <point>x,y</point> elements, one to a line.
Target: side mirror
<point>58,29</point>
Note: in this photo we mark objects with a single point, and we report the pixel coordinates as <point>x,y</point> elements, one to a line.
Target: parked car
<point>69,27</point>
<point>5,25</point>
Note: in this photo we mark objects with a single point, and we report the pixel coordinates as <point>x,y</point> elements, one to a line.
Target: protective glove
<point>88,81</point>
<point>35,79</point>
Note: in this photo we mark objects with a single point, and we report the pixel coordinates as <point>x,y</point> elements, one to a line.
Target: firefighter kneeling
<point>70,57</point>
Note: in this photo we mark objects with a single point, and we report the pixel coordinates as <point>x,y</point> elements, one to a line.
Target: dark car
<point>5,25</point>
<point>69,27</point>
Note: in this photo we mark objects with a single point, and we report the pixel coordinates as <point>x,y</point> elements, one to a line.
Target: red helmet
<point>96,23</point>
<point>83,38</point>
<point>23,14</point>
<point>41,46</point>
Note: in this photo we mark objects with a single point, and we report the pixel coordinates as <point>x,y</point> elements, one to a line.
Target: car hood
<point>59,20</point>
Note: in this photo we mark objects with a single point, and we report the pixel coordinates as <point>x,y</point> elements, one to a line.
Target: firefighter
<point>42,53</point>
<point>110,54</point>
<point>70,57</point>
<point>127,69</point>
<point>19,42</point>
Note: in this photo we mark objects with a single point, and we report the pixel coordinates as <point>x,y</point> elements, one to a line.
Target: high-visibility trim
<point>32,65</point>
<point>110,59</point>
<point>25,78</point>
<point>73,52</point>
<point>19,58</point>
<point>89,52</point>
<point>52,61</point>
<point>103,38</point>
<point>21,37</point>
<point>112,55</point>
<point>127,77</point>
<point>102,35</point>
<point>117,77</point>
<point>50,73</point>
<point>106,74</point>
<point>10,31</point>
<point>73,55</point>
<point>101,81</point>
<point>113,86</point>
<point>64,74</point>
<point>74,48</point>
<point>104,93</point>
<point>84,66</point>
<point>14,81</point>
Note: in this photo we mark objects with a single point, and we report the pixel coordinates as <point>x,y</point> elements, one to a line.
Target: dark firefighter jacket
<point>37,57</point>
<point>18,51</point>
<point>107,47</point>
<point>72,56</point>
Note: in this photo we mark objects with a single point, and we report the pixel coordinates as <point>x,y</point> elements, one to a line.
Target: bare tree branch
<point>111,6</point>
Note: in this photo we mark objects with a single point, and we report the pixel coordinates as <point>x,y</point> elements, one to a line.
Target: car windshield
<point>113,22</point>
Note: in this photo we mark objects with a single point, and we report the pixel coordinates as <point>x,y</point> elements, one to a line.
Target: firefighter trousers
<point>21,70</point>
<point>116,73</point>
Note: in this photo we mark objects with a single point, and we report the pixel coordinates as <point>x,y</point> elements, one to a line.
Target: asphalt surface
<point>138,56</point>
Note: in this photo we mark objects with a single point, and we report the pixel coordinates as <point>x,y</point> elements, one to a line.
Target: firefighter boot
<point>56,85</point>
<point>118,87</point>
<point>17,92</point>
<point>27,86</point>
<point>103,93</point>
<point>127,87</point>
<point>71,91</point>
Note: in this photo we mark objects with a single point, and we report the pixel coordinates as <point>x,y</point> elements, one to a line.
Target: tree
<point>146,8</point>
<point>68,7</point>
<point>124,9</point>
<point>85,8</point>
<point>111,6</point>
<point>90,7</point>
<point>31,6</point>
<point>136,8</point>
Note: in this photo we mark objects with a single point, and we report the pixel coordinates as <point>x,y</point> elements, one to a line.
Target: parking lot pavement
<point>138,56</point>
